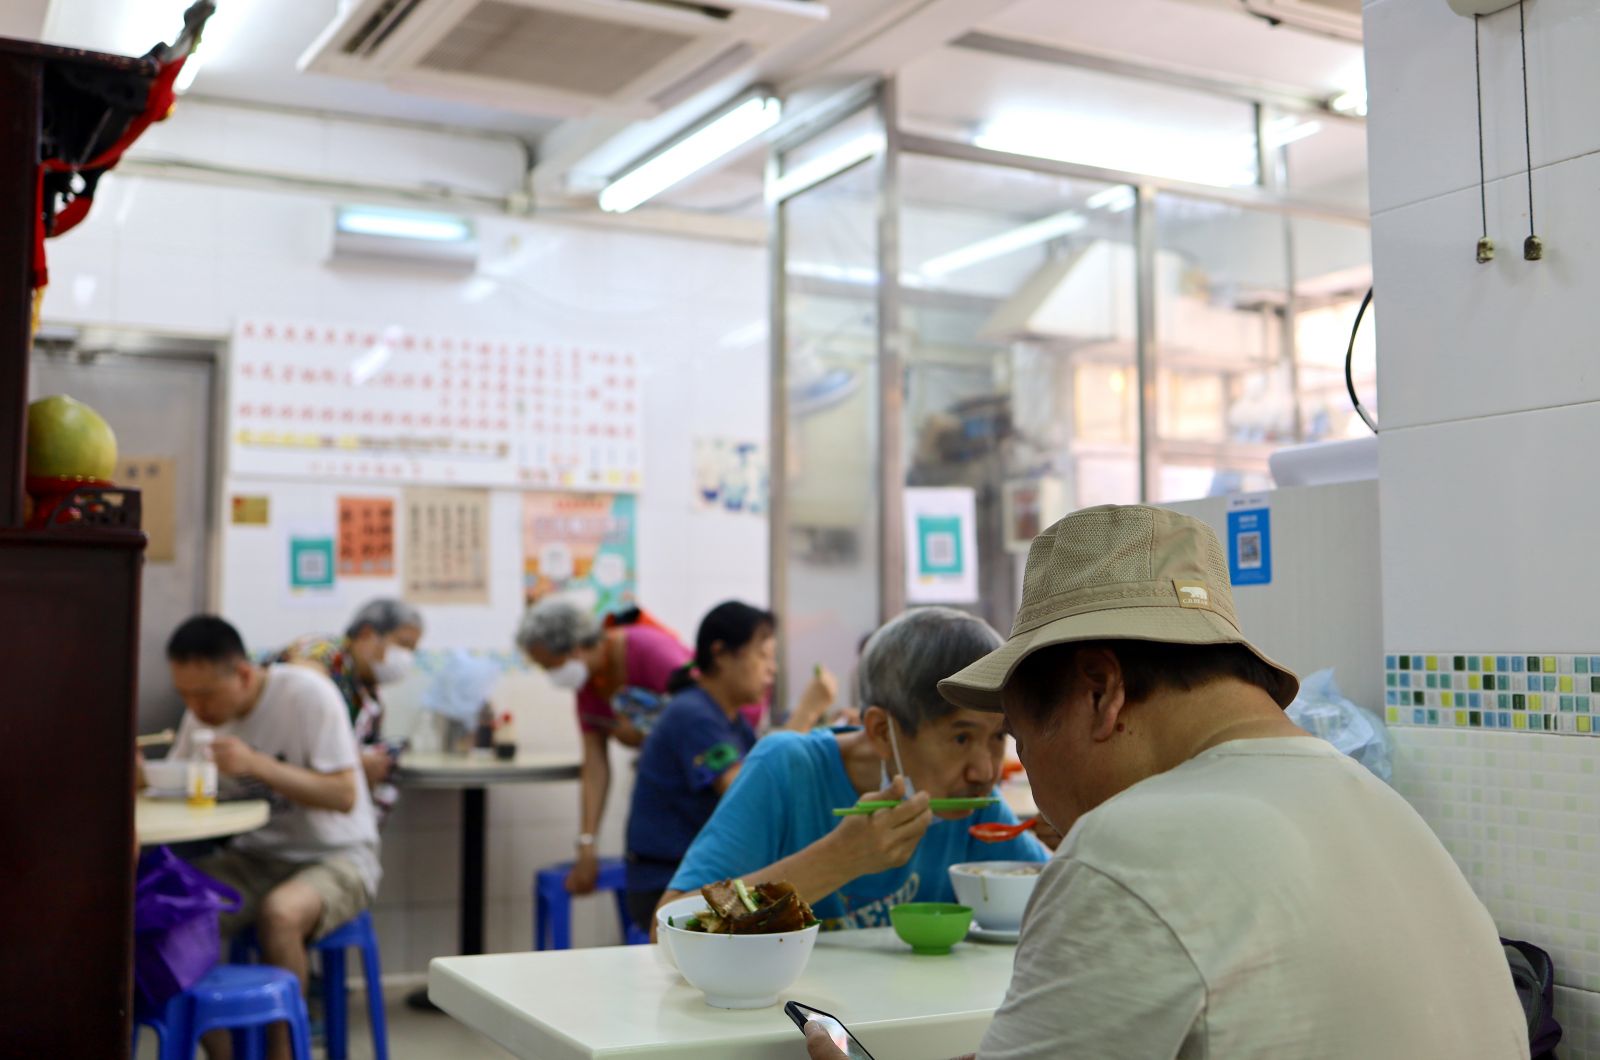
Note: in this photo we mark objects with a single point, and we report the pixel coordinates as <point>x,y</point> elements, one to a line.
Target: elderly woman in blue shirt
<point>776,821</point>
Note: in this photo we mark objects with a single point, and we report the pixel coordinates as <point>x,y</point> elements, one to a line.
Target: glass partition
<point>1019,322</point>
<point>1224,370</point>
<point>829,304</point>
<point>1067,328</point>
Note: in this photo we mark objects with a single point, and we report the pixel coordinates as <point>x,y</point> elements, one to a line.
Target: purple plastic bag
<point>175,934</point>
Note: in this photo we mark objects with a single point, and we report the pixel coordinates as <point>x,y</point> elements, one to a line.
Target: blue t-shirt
<point>692,744</point>
<point>783,801</point>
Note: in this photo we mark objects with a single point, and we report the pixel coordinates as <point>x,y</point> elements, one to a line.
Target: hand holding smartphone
<point>842,1038</point>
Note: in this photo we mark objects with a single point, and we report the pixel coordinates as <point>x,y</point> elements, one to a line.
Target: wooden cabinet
<point>69,630</point>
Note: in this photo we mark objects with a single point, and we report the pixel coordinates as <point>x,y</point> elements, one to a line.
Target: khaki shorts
<point>253,875</point>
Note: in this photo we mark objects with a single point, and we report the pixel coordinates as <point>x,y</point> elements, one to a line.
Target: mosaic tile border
<point>1515,693</point>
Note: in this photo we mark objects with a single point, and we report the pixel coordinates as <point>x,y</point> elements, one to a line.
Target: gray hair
<point>904,661</point>
<point>558,626</point>
<point>383,616</point>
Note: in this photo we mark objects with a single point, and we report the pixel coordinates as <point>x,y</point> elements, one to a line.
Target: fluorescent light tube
<point>1005,243</point>
<point>1116,199</point>
<point>825,165</point>
<point>712,141</point>
<point>404,224</point>
<point>1283,131</point>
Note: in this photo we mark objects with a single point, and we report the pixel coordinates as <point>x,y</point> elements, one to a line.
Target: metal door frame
<point>90,346</point>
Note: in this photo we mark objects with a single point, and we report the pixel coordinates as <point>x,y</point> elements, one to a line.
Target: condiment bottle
<point>202,772</point>
<point>505,738</point>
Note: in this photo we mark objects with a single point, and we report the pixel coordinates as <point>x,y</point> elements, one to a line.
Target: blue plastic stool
<point>357,933</point>
<point>552,905</point>
<point>236,997</point>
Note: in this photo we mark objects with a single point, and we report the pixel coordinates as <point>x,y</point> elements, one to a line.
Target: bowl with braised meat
<point>740,944</point>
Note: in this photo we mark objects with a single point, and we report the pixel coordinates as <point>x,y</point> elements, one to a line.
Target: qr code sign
<point>313,566</point>
<point>941,549</point>
<point>1250,551</point>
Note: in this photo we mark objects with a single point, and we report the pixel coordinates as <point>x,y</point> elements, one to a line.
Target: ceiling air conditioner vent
<point>556,57</point>
<point>376,29</point>
<point>1333,18</point>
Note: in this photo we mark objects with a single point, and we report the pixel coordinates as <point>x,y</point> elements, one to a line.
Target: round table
<point>158,821</point>
<point>434,769</point>
<point>471,774</point>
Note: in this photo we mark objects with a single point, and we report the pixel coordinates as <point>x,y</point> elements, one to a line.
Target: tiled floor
<point>412,1036</point>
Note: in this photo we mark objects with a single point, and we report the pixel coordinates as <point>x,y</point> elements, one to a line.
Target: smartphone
<point>803,1014</point>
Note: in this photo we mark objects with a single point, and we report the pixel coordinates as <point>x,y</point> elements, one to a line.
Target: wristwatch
<point>586,839</point>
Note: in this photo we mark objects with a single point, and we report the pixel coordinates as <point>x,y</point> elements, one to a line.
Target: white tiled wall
<point>1422,131</point>
<point>1489,413</point>
<point>1458,339</point>
<point>1487,532</point>
<point>1521,816</point>
<point>189,258</point>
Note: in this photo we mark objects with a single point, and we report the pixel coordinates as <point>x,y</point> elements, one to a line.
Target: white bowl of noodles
<point>733,971</point>
<point>997,891</point>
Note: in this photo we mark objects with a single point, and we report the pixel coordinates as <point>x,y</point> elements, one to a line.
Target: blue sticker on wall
<point>1250,541</point>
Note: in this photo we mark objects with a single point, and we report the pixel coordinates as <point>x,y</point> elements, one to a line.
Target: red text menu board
<point>325,401</point>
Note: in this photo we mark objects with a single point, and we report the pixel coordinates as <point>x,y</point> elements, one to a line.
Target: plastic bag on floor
<point>175,935</point>
<point>1322,710</point>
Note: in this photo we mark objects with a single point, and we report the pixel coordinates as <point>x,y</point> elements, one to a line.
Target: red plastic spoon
<point>995,832</point>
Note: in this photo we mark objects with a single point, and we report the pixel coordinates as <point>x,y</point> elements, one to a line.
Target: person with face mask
<point>378,648</point>
<point>602,667</point>
<point>776,821</point>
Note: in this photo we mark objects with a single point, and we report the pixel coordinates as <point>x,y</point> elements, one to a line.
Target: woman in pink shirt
<point>626,665</point>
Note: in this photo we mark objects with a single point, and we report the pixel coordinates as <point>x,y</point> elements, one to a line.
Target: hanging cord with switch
<point>1485,244</point>
<point>1532,247</point>
<point>1349,355</point>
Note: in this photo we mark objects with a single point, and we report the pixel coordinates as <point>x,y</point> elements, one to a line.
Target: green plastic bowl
<point>931,927</point>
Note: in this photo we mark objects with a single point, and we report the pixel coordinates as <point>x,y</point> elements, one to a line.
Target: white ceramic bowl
<point>997,894</point>
<point>734,971</point>
<point>166,776</point>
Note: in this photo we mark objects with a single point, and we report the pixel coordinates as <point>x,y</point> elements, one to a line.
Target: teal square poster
<point>311,562</point>
<point>939,544</point>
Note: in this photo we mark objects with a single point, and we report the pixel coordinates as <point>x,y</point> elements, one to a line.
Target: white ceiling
<point>251,51</point>
<point>1214,36</point>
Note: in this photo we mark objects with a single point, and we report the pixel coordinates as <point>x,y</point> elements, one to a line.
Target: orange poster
<point>366,537</point>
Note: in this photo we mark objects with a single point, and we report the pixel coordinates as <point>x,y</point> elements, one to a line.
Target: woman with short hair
<point>695,750</point>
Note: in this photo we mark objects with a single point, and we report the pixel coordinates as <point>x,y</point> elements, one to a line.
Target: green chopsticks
<point>862,808</point>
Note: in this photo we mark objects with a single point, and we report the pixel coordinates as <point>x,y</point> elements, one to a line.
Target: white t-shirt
<point>1268,898</point>
<point>300,719</point>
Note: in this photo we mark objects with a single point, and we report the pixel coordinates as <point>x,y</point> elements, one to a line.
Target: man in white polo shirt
<point>282,734</point>
<point>1228,886</point>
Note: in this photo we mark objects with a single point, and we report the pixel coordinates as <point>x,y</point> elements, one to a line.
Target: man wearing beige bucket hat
<point>1228,885</point>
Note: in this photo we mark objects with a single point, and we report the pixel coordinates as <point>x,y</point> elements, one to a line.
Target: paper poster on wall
<point>446,557</point>
<point>310,563</point>
<point>156,479</point>
<point>251,509</point>
<point>580,545</point>
<point>1030,506</point>
<point>941,540</point>
<point>366,537</point>
<point>1250,540</point>
<point>342,403</point>
<point>730,476</point>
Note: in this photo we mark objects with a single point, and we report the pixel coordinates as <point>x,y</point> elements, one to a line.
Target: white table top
<point>435,769</point>
<point>624,1001</point>
<point>175,821</point>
